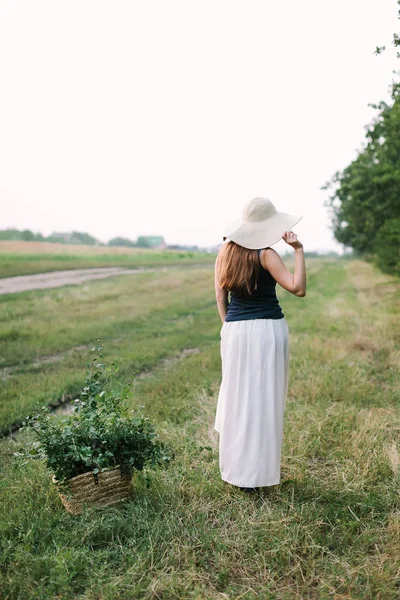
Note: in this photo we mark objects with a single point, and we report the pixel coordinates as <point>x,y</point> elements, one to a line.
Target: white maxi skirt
<point>251,400</point>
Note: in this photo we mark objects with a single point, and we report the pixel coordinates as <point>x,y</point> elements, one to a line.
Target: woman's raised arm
<point>293,283</point>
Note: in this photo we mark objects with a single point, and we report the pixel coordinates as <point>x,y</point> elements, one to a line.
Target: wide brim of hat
<point>261,234</point>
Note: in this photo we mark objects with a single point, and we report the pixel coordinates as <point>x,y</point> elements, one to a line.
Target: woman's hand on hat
<point>291,238</point>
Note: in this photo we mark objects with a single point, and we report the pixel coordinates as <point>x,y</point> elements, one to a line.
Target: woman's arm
<point>293,283</point>
<point>221,295</point>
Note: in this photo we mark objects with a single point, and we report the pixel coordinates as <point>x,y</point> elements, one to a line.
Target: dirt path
<point>39,281</point>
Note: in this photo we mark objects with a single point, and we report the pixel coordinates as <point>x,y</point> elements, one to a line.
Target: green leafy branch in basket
<point>101,432</point>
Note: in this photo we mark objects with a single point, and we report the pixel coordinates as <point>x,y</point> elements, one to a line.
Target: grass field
<point>329,530</point>
<point>26,258</point>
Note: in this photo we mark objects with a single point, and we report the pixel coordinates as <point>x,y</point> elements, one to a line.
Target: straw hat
<point>261,225</point>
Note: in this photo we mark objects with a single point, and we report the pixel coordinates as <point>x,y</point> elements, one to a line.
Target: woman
<point>254,343</point>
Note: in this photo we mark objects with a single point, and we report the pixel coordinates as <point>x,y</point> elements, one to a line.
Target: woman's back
<point>261,304</point>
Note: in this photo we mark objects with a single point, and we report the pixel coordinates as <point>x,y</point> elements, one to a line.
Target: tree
<point>395,40</point>
<point>365,196</point>
<point>387,247</point>
<point>150,241</point>
<point>16,235</point>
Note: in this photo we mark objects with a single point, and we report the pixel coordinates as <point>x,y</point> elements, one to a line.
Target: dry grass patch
<point>20,247</point>
<point>393,456</point>
<point>329,530</point>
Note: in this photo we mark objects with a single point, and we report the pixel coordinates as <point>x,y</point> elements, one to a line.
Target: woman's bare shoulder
<point>269,250</point>
<point>269,253</point>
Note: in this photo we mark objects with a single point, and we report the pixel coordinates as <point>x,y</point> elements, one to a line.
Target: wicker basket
<point>111,488</point>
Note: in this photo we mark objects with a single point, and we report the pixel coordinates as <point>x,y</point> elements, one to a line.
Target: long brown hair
<point>238,269</point>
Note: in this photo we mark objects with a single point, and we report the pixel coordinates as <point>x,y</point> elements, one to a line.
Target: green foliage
<point>121,241</point>
<point>395,40</point>
<point>387,247</point>
<point>366,194</point>
<point>99,434</point>
<point>75,237</point>
<point>24,236</point>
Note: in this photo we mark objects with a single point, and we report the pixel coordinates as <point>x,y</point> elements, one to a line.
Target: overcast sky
<point>127,118</point>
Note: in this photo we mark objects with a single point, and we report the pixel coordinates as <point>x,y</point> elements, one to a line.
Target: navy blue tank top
<point>262,304</point>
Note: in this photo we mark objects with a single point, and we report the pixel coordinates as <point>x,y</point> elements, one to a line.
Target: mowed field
<point>330,529</point>
<point>26,258</point>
